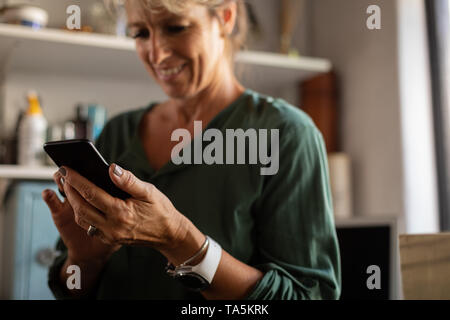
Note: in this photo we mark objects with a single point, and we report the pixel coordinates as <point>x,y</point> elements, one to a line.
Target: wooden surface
<point>319,100</point>
<point>425,266</point>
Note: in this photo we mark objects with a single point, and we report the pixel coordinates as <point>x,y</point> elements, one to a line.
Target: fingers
<point>83,224</point>
<point>129,183</point>
<point>99,234</point>
<point>52,201</point>
<point>85,213</point>
<point>94,195</point>
<point>57,207</point>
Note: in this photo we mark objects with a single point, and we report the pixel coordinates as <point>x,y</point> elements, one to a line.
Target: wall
<point>385,105</point>
<point>366,64</point>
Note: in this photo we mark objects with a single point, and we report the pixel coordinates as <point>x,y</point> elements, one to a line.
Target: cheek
<point>211,47</point>
<point>204,55</point>
<point>142,53</point>
<point>208,59</point>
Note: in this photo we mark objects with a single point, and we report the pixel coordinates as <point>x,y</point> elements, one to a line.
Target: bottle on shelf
<point>97,118</point>
<point>9,144</point>
<point>90,120</point>
<point>82,123</point>
<point>32,134</point>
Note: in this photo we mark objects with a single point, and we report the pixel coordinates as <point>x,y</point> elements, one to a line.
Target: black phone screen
<point>83,157</point>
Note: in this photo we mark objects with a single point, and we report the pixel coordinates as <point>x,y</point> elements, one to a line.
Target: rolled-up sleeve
<point>295,234</point>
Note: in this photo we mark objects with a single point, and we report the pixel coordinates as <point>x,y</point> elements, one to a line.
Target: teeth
<point>170,72</point>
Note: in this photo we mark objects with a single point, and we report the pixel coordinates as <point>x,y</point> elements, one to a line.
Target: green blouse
<point>281,224</point>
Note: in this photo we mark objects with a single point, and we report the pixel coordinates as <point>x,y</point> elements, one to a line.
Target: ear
<point>227,14</point>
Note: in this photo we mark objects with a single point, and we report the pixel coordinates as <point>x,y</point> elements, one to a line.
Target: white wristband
<point>208,267</point>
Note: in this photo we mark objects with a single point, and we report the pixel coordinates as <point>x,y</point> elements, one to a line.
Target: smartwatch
<point>200,276</point>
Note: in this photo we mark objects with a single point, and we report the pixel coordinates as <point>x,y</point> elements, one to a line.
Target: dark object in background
<point>319,101</point>
<point>8,151</point>
<point>254,25</point>
<point>82,124</point>
<point>91,118</point>
<point>361,247</point>
<point>3,151</point>
<point>8,146</point>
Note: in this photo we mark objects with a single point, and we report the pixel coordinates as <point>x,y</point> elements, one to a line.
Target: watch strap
<point>208,266</point>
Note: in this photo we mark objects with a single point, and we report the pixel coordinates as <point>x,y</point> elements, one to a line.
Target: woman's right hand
<point>81,247</point>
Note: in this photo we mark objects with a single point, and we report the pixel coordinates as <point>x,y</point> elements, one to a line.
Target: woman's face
<point>182,53</point>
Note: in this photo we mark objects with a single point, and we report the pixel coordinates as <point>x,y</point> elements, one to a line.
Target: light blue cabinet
<point>29,237</point>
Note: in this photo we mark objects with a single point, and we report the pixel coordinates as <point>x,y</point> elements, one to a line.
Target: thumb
<point>129,183</point>
<point>52,201</point>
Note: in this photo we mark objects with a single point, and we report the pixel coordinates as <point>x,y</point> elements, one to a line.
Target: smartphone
<point>82,156</point>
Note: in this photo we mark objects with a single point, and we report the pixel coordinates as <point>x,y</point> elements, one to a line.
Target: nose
<point>158,49</point>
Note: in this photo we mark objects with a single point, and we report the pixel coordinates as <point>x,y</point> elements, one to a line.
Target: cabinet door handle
<point>45,257</point>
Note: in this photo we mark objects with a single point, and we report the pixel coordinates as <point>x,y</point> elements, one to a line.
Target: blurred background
<point>375,79</point>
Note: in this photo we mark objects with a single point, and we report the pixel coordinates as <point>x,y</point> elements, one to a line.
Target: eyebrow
<point>135,24</point>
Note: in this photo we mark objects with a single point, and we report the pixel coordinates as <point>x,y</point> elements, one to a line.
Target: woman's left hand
<point>147,218</point>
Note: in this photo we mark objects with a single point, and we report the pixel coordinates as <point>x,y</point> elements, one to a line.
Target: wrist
<point>198,276</point>
<point>185,243</point>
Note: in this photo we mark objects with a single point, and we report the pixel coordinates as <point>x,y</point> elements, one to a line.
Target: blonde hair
<point>237,39</point>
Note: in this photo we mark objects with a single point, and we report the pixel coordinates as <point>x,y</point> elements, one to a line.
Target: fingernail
<point>118,171</point>
<point>46,193</point>
<point>62,181</point>
<point>62,171</point>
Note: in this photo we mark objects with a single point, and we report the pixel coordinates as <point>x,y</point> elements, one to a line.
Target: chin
<point>178,93</point>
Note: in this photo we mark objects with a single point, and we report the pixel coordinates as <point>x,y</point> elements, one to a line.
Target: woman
<point>236,233</point>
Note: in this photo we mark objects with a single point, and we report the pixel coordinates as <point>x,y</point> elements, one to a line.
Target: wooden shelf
<point>12,172</point>
<point>51,51</point>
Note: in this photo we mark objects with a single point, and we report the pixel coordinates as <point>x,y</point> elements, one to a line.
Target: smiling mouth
<point>169,72</point>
